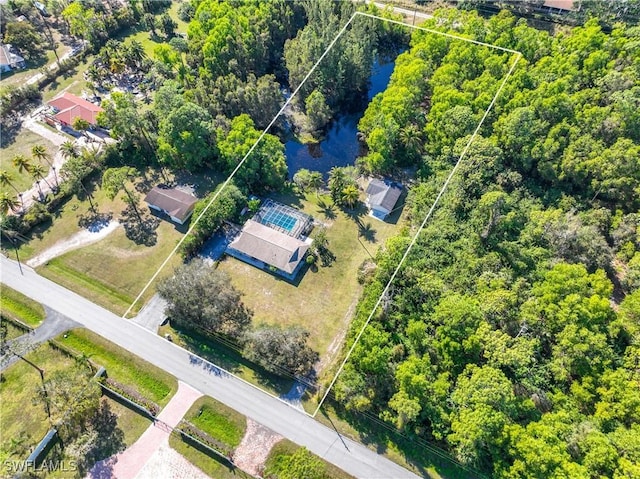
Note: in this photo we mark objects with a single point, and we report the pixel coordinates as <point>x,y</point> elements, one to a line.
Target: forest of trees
<point>510,335</point>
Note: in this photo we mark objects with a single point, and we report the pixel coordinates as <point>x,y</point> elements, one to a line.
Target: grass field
<point>150,381</point>
<point>23,423</point>
<point>18,77</point>
<point>16,305</point>
<point>21,145</point>
<point>113,271</point>
<point>285,448</point>
<point>323,299</point>
<point>217,420</point>
<point>221,423</point>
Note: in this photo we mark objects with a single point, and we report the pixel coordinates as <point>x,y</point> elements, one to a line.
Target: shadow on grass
<point>420,454</point>
<point>140,230</point>
<point>231,359</point>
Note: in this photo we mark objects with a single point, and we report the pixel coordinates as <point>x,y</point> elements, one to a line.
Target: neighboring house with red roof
<point>68,107</point>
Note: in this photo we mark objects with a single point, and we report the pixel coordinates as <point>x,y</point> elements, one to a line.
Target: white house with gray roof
<point>269,249</point>
<point>382,196</point>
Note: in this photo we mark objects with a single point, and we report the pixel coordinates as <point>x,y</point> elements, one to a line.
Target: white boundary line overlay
<point>517,54</point>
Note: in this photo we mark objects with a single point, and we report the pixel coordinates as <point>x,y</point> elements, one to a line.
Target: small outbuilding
<point>176,204</point>
<point>382,196</point>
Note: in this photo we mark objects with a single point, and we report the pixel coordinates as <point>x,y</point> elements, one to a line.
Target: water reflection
<point>340,146</point>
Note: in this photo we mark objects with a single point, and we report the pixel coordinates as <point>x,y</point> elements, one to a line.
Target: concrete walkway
<point>127,464</point>
<point>152,314</point>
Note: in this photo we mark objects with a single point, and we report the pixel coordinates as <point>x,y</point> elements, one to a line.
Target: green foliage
<point>202,298</point>
<point>24,37</point>
<point>278,349</point>
<point>226,207</point>
<point>265,167</point>
<point>186,139</point>
<point>502,335</point>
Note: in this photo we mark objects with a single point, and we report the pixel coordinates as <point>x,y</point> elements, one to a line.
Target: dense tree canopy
<point>510,334</point>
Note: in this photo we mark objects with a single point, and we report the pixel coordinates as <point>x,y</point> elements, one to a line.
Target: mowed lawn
<point>113,271</point>
<point>325,297</point>
<point>21,145</point>
<point>23,422</point>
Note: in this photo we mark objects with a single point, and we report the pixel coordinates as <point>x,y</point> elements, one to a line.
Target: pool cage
<point>284,219</point>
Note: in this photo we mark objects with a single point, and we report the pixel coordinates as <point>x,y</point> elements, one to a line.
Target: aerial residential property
<point>382,196</point>
<point>67,107</point>
<point>274,240</point>
<point>10,60</point>
<point>320,239</point>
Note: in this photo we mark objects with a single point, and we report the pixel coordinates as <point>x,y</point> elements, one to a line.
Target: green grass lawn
<point>286,448</point>
<point>21,145</point>
<point>323,299</point>
<point>13,331</point>
<point>24,423</point>
<point>228,358</point>
<point>217,420</point>
<point>72,81</point>
<point>17,306</point>
<point>113,271</point>
<point>132,423</point>
<point>221,423</point>
<point>150,381</point>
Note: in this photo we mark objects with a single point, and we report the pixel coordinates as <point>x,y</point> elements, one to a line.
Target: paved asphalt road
<point>348,455</point>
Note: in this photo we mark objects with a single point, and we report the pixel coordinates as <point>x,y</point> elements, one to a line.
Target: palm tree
<point>134,54</point>
<point>22,163</point>
<point>7,203</point>
<point>7,180</point>
<point>40,153</point>
<point>69,149</point>
<point>316,181</point>
<point>350,195</point>
<point>38,173</point>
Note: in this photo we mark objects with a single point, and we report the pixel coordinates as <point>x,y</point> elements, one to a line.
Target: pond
<point>340,146</point>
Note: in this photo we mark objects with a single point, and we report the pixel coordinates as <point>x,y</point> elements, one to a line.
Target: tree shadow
<point>328,210</point>
<point>140,232</point>
<point>366,231</point>
<point>94,222</point>
<point>10,126</point>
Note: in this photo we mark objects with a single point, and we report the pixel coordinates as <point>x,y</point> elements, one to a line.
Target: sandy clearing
<point>78,240</point>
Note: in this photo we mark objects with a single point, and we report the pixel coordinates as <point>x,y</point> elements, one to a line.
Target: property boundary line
<point>517,54</point>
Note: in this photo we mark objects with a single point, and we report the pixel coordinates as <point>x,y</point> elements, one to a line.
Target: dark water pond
<point>340,146</point>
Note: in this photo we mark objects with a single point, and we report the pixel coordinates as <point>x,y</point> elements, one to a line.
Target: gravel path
<point>78,240</point>
<point>129,463</point>
<point>254,448</point>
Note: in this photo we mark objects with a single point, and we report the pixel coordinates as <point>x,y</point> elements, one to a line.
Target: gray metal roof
<point>383,194</point>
